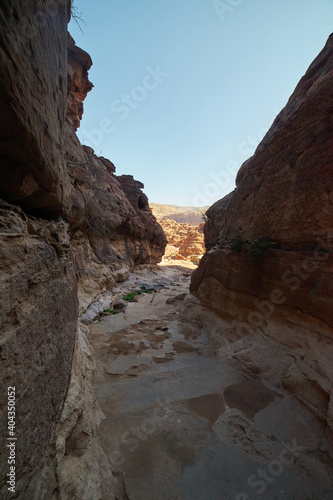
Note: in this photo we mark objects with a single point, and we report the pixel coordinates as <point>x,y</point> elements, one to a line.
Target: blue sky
<point>185,89</point>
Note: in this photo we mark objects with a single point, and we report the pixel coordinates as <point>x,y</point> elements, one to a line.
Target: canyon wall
<point>184,240</point>
<point>112,226</point>
<point>68,231</point>
<point>268,269</point>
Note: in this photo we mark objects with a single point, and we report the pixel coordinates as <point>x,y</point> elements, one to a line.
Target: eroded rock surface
<point>184,240</point>
<point>111,223</point>
<point>67,233</point>
<point>39,309</point>
<point>154,241</point>
<point>182,423</point>
<point>277,305</point>
<point>33,92</point>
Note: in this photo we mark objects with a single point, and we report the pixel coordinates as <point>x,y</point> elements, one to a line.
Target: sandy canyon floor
<point>182,424</point>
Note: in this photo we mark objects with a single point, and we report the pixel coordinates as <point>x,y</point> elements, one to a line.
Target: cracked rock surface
<point>182,423</point>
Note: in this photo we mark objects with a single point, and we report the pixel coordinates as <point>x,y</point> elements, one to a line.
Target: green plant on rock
<point>111,311</point>
<point>259,247</point>
<point>236,246</point>
<point>130,296</point>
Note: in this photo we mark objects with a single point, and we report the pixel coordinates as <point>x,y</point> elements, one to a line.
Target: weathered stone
<point>122,274</point>
<point>184,240</point>
<point>181,296</point>
<point>79,470</point>
<point>283,194</point>
<point>196,259</point>
<point>39,310</point>
<point>119,305</point>
<point>33,48</point>
<point>45,264</point>
<point>108,234</point>
<point>125,363</point>
<point>151,248</point>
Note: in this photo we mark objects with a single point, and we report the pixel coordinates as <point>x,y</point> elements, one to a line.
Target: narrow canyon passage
<point>182,424</point>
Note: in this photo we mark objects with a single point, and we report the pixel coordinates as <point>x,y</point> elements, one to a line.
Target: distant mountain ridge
<point>188,215</point>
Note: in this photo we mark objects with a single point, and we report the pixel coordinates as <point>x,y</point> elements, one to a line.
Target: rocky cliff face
<point>184,240</point>
<point>111,223</point>
<point>268,269</point>
<point>67,232</point>
<point>39,309</point>
<point>33,79</point>
<point>152,238</point>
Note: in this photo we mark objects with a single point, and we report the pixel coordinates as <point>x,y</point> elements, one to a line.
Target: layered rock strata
<point>112,226</point>
<point>33,95</point>
<point>67,232</point>
<point>153,239</point>
<point>268,268</point>
<point>39,309</point>
<point>184,240</point>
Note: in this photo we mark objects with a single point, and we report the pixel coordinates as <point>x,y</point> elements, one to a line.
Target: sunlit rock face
<point>268,268</point>
<point>184,240</point>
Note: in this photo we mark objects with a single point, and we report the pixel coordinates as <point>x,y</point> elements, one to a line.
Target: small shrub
<point>111,311</point>
<point>236,246</point>
<point>130,296</point>
<point>259,247</point>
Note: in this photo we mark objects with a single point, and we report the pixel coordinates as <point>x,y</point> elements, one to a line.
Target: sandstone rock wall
<point>75,465</point>
<point>67,232</point>
<point>33,105</point>
<point>39,304</point>
<point>39,308</point>
<point>184,240</point>
<point>269,267</point>
<point>153,240</point>
<point>112,226</point>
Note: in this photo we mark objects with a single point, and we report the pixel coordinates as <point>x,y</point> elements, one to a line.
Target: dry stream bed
<point>182,424</point>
